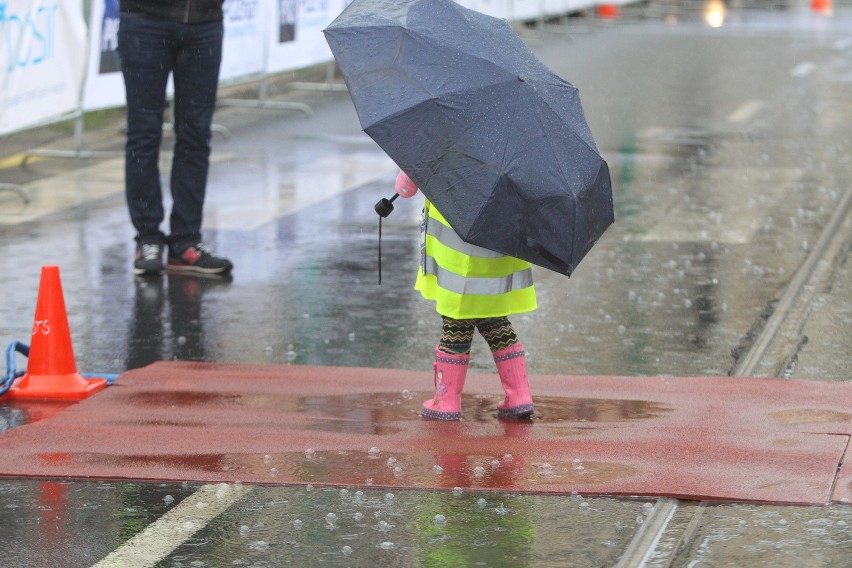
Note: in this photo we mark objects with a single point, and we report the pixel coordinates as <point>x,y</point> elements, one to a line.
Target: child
<point>473,289</point>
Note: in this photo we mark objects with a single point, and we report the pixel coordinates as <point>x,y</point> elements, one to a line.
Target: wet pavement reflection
<point>20,412</point>
<point>176,333</point>
<point>67,524</point>
<point>349,526</point>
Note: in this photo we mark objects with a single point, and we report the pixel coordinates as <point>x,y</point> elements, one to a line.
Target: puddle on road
<point>600,410</point>
<point>17,413</point>
<point>401,406</point>
<point>405,469</point>
<point>811,416</point>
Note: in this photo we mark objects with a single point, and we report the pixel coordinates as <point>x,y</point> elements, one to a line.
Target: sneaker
<point>199,258</point>
<point>148,258</point>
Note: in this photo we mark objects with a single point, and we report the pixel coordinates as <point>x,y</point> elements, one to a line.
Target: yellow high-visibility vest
<point>466,281</point>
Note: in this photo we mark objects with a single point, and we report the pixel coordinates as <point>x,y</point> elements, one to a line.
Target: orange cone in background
<point>51,369</point>
<point>821,6</point>
<point>607,11</point>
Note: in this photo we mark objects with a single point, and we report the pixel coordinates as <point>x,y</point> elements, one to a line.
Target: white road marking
<point>174,528</point>
<point>803,69</point>
<point>842,43</point>
<point>746,111</point>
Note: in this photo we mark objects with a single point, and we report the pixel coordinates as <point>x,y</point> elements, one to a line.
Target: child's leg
<point>452,356</point>
<point>456,335</point>
<point>510,357</point>
<point>497,332</point>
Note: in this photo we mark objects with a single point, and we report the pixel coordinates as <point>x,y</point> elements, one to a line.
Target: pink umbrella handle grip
<point>405,187</point>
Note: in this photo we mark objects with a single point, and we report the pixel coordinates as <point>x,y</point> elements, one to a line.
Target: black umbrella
<point>490,135</point>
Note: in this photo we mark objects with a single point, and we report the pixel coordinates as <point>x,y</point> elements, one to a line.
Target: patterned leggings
<point>457,335</point>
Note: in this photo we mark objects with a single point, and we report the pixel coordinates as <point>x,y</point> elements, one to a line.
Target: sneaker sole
<point>147,271</point>
<point>197,269</point>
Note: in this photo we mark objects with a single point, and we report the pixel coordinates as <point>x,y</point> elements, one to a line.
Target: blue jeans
<point>150,50</point>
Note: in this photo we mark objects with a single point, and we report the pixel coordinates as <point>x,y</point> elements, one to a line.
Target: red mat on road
<point>715,438</point>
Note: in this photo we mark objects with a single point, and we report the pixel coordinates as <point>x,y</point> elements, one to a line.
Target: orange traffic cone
<point>51,370</point>
<point>821,6</point>
<point>607,11</point>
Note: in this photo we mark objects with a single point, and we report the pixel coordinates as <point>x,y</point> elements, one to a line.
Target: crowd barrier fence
<point>59,58</point>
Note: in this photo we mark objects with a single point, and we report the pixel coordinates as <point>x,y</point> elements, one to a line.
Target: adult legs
<point>198,57</point>
<point>146,50</point>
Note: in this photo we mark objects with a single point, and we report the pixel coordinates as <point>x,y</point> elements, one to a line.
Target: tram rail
<point>772,348</point>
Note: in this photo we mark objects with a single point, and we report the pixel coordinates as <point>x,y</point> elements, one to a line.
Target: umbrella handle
<point>385,206</point>
<point>380,251</point>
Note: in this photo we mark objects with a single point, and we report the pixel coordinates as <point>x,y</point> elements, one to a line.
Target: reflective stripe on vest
<point>494,286</point>
<point>480,271</point>
<point>451,239</point>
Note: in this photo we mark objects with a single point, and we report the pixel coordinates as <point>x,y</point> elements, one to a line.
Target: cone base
<point>72,386</point>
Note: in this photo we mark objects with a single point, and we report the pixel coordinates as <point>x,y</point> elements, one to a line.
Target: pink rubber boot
<point>512,367</point>
<point>450,372</point>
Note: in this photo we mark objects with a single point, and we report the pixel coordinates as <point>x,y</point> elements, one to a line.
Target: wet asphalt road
<point>729,150</point>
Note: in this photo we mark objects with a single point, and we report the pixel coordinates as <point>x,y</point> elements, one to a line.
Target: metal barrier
<point>244,28</point>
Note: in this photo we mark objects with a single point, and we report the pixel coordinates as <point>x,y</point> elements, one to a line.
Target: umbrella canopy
<point>490,135</point>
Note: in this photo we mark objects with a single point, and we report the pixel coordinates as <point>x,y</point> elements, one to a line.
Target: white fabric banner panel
<point>496,8</point>
<point>569,6</point>
<point>42,60</point>
<point>472,4</point>
<point>563,7</point>
<point>104,83</point>
<point>245,37</point>
<point>524,10</point>
<point>296,39</point>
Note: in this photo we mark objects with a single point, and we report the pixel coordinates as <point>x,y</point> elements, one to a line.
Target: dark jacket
<point>186,11</point>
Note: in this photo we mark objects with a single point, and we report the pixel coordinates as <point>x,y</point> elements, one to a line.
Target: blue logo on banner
<point>110,61</point>
<point>111,9</point>
<point>28,38</point>
<point>240,10</point>
<point>240,18</point>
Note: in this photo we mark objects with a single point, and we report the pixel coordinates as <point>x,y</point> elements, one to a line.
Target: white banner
<point>524,10</point>
<point>242,49</point>
<point>104,83</point>
<point>495,8</point>
<point>296,38</point>
<point>41,60</point>
<point>245,37</point>
<point>261,36</point>
<point>555,7</point>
